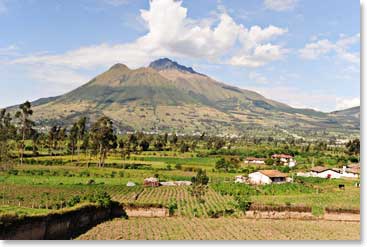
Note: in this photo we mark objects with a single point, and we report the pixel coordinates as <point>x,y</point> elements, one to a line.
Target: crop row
<point>181,228</point>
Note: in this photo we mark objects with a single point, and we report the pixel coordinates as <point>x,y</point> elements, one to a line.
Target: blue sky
<point>301,52</point>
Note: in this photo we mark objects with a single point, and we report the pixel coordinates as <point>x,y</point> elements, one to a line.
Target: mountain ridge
<point>168,96</point>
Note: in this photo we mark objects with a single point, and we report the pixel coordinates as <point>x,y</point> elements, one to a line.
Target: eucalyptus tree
<point>7,131</point>
<point>25,125</point>
<point>73,139</point>
<point>81,124</point>
<point>103,138</point>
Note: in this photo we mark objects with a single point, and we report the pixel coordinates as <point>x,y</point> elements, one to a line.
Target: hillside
<point>167,96</point>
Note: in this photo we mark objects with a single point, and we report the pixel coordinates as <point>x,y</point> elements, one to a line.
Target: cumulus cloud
<point>324,47</point>
<point>172,33</point>
<point>280,5</point>
<point>345,103</point>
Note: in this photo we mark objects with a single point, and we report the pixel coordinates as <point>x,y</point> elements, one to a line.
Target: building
<point>285,159</point>
<point>254,160</point>
<point>351,171</point>
<point>325,172</point>
<point>321,172</point>
<point>267,177</point>
<point>176,183</point>
<point>130,184</point>
<point>151,182</point>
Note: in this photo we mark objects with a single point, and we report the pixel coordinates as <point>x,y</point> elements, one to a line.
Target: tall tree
<point>73,139</point>
<point>103,138</point>
<point>25,125</point>
<point>81,133</point>
<point>7,130</point>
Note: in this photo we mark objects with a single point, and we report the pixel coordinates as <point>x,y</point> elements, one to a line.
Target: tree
<point>25,125</point>
<point>199,185</point>
<point>73,139</point>
<point>103,138</point>
<point>184,147</point>
<point>353,147</point>
<point>7,130</point>
<point>226,165</point>
<point>81,133</point>
<point>269,161</point>
<point>144,144</point>
<point>174,139</point>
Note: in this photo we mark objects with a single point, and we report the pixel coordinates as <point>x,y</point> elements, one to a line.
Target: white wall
<point>259,178</point>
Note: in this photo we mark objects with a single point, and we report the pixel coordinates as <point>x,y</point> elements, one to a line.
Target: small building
<point>254,160</point>
<point>350,171</point>
<point>285,159</point>
<point>267,177</point>
<point>324,172</point>
<point>130,184</point>
<point>176,183</point>
<point>151,182</point>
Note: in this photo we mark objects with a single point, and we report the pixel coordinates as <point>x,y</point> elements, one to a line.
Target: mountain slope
<point>168,96</point>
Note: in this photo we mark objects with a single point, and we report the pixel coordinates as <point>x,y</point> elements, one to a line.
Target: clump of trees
<point>199,185</point>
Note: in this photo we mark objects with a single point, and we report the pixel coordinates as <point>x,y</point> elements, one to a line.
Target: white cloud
<point>280,5</point>
<point>171,33</point>
<point>345,103</point>
<point>261,55</point>
<point>57,75</point>
<point>324,47</point>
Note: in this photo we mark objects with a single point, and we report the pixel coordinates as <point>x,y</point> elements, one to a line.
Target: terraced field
<point>180,228</point>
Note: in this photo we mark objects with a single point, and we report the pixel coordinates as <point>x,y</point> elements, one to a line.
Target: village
<point>268,176</point>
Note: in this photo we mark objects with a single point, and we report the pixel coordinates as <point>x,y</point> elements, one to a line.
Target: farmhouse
<point>254,160</point>
<point>285,159</point>
<point>350,171</point>
<point>152,182</point>
<point>176,183</point>
<point>267,177</point>
<point>322,172</point>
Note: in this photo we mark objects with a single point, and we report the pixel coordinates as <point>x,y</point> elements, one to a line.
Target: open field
<point>180,228</point>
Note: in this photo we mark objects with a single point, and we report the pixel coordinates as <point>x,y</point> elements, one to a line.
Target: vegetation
<point>43,170</point>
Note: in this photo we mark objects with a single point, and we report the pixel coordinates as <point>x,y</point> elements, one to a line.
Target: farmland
<point>60,169</point>
<point>222,229</point>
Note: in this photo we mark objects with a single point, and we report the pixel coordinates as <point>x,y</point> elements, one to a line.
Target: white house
<point>324,172</point>
<point>350,172</point>
<point>254,160</point>
<point>267,177</point>
<point>285,159</point>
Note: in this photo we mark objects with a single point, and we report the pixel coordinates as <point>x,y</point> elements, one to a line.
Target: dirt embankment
<point>63,225</point>
<point>301,213</point>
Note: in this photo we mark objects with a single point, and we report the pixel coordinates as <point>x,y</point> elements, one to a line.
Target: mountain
<point>350,116</point>
<point>168,96</point>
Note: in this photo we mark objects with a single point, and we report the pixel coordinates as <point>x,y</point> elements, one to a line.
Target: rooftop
<point>273,173</point>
